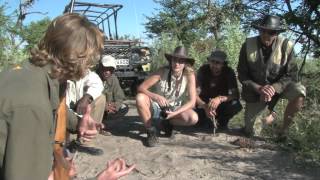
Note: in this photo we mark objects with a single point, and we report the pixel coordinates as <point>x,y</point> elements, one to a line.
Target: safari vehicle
<point>132,59</point>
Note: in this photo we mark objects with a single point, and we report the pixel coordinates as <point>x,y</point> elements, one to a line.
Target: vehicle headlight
<point>135,57</point>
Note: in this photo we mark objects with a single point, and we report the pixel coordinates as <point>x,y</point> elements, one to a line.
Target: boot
<point>167,128</point>
<point>152,138</point>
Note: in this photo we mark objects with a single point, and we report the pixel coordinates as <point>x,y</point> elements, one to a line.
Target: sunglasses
<point>271,33</point>
<point>111,69</point>
<point>178,61</point>
<point>216,62</point>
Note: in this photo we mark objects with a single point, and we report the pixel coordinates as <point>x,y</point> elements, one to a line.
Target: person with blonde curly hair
<point>29,96</point>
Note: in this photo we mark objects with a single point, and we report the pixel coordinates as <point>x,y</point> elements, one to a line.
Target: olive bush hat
<point>217,55</point>
<point>180,52</point>
<point>270,22</point>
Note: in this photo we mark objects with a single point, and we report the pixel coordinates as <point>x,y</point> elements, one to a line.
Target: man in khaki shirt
<point>267,71</point>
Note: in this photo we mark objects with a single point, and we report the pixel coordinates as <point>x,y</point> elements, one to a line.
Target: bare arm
<point>149,82</point>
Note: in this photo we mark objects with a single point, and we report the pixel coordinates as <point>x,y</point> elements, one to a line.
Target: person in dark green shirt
<point>115,107</point>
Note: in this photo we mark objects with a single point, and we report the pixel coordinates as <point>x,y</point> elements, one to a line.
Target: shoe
<point>242,132</point>
<point>167,128</point>
<point>90,150</point>
<point>222,129</point>
<point>281,137</point>
<point>152,138</point>
<point>78,146</point>
<point>105,133</point>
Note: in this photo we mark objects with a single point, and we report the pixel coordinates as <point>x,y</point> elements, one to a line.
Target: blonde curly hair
<point>71,45</point>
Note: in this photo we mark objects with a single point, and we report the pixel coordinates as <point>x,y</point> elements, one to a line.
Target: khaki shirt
<point>277,70</point>
<point>28,100</point>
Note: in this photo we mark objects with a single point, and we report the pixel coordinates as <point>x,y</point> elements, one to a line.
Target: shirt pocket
<point>275,70</point>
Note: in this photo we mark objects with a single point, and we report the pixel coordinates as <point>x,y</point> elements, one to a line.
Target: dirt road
<point>192,154</point>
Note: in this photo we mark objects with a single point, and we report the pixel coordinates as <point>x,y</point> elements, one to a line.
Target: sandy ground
<point>193,154</point>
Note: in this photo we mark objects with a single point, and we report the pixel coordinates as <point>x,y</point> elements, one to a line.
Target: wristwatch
<point>90,98</point>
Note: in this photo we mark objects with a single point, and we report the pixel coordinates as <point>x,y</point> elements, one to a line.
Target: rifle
<point>61,166</point>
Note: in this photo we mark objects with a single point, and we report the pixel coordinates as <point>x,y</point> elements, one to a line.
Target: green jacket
<point>113,91</point>
<point>277,66</point>
<point>28,98</point>
<point>28,101</point>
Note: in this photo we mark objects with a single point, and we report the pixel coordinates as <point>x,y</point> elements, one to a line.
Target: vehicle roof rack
<point>98,14</point>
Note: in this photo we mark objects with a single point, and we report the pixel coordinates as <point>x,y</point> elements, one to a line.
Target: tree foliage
<point>33,32</point>
<point>15,38</point>
<point>191,20</point>
<point>198,19</point>
<point>302,18</point>
<point>9,41</point>
<point>177,19</point>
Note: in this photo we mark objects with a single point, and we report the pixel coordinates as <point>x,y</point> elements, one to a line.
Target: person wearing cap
<point>218,94</point>
<point>112,90</point>
<point>173,97</point>
<point>268,71</point>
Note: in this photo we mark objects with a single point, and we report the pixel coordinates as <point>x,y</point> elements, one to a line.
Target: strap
<point>61,126</point>
<point>61,166</point>
<point>283,49</point>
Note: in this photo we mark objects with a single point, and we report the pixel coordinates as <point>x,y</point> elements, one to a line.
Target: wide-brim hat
<point>182,53</point>
<point>271,23</point>
<point>217,55</point>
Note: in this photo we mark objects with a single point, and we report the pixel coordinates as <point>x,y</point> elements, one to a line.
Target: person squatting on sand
<point>29,98</point>
<point>268,70</point>
<point>173,98</point>
<point>115,108</point>
<point>218,94</point>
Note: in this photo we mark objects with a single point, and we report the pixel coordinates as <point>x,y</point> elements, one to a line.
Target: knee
<point>193,119</point>
<point>140,97</point>
<point>99,101</point>
<point>142,100</point>
<point>298,101</point>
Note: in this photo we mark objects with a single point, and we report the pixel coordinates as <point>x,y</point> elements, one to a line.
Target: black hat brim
<point>259,27</point>
<point>170,56</point>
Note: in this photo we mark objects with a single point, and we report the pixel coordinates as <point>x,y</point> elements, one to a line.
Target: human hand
<point>88,127</point>
<point>162,101</point>
<point>214,103</point>
<point>210,113</point>
<point>115,169</point>
<point>266,93</point>
<point>72,169</point>
<point>83,103</point>
<point>170,114</point>
<point>111,107</point>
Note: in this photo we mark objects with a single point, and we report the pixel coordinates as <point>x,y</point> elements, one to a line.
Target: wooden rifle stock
<point>61,166</point>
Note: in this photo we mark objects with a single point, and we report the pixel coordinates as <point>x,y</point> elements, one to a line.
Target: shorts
<point>293,90</point>
<point>155,113</point>
<point>254,110</point>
